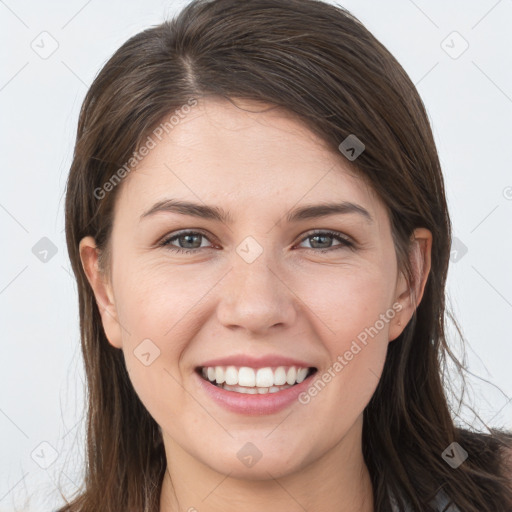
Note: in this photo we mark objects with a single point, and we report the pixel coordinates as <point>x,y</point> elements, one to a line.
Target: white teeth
<point>264,378</point>
<point>219,375</point>
<point>254,391</point>
<point>261,380</point>
<point>231,376</point>
<point>246,377</point>
<point>301,374</point>
<point>291,376</point>
<point>280,376</point>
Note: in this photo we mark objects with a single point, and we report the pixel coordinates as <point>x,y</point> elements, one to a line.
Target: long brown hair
<point>319,62</point>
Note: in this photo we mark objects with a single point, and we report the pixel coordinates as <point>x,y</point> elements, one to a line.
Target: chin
<point>258,461</point>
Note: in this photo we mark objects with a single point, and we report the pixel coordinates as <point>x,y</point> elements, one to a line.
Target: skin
<point>292,300</point>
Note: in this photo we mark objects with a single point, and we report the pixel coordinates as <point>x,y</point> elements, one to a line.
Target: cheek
<point>155,318</point>
<point>156,301</point>
<point>346,300</point>
<point>352,311</point>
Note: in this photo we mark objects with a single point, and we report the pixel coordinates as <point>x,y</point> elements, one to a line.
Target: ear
<point>409,296</point>
<point>102,289</point>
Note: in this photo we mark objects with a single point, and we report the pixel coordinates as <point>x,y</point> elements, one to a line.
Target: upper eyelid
<point>176,234</point>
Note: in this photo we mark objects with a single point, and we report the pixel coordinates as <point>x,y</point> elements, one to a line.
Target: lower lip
<point>257,405</point>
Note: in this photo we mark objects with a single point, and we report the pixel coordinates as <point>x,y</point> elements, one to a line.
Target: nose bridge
<point>254,267</point>
<point>254,296</point>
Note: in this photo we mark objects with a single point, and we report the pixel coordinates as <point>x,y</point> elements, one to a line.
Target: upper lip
<point>256,362</point>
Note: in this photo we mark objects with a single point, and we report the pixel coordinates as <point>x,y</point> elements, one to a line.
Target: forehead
<point>254,156</point>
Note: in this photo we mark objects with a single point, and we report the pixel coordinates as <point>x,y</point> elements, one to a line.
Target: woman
<point>256,218</point>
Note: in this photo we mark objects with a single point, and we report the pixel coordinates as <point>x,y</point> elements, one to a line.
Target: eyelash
<point>345,242</point>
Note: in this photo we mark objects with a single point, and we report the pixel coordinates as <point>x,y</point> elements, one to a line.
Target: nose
<point>256,297</point>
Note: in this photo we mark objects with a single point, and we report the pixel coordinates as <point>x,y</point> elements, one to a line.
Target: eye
<point>188,238</point>
<point>192,241</point>
<point>323,238</point>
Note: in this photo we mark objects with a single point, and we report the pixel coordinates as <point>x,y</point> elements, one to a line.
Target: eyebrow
<point>219,214</point>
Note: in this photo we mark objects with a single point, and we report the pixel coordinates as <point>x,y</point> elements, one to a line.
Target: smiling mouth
<point>255,380</point>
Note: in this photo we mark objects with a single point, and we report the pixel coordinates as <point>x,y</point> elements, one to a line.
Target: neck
<point>338,480</point>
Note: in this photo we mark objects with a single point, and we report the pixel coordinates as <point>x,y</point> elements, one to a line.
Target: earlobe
<point>410,295</point>
<point>102,290</point>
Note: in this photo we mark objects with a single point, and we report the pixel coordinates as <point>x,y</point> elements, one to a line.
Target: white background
<point>469,101</point>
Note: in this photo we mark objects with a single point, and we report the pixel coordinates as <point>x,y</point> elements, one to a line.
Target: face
<point>248,286</point>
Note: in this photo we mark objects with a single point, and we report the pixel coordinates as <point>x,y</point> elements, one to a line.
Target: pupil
<point>320,237</point>
<point>187,237</point>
